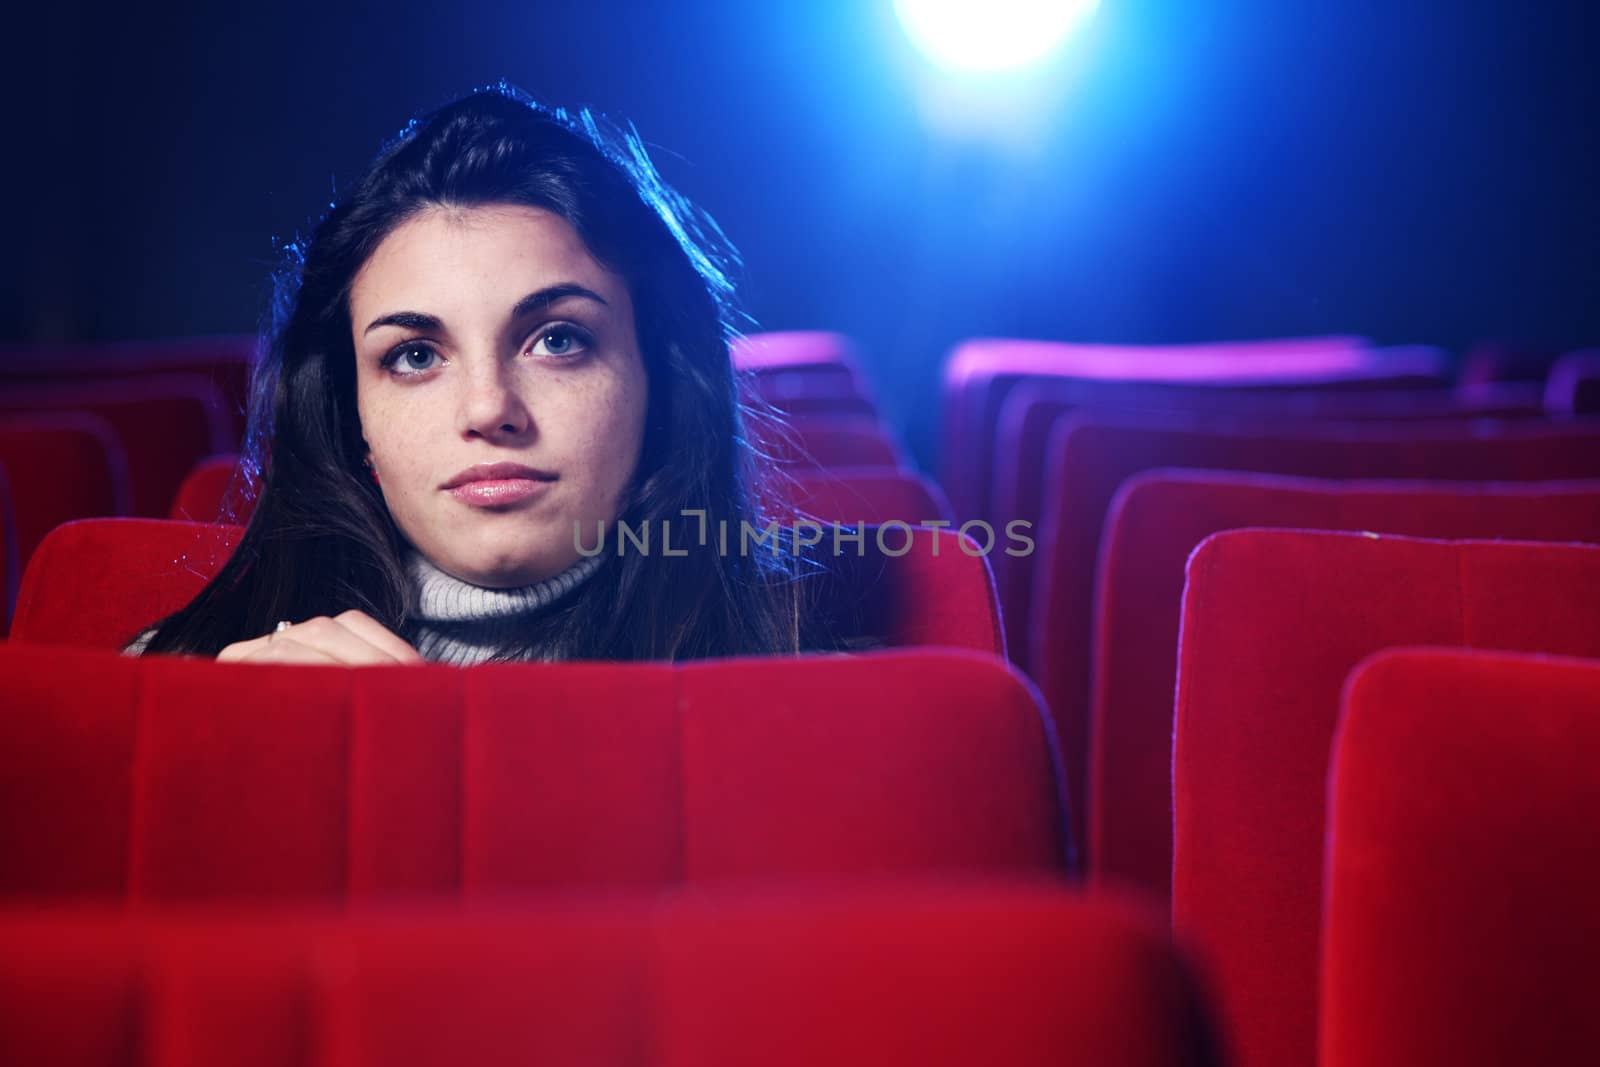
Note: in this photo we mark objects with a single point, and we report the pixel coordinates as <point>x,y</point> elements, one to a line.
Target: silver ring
<point>283,624</point>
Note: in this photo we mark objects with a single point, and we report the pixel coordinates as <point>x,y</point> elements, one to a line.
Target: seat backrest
<point>1574,384</point>
<point>800,394</point>
<point>826,441</point>
<point>223,360</point>
<point>1273,622</point>
<point>204,494</point>
<point>10,565</point>
<point>803,373</point>
<point>165,424</point>
<point>62,466</point>
<point>1156,520</point>
<point>793,350</point>
<point>1093,454</point>
<point>99,582</point>
<point>1018,487</point>
<point>166,778</point>
<point>881,976</point>
<point>979,374</point>
<point>1460,927</point>
<point>867,494</point>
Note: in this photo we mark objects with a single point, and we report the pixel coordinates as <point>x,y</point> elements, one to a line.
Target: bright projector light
<point>990,35</point>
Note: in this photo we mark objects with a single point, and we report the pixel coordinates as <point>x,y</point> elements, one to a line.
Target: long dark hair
<point>321,540</point>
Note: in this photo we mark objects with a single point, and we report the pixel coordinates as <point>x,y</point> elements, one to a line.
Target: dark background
<point>1415,172</point>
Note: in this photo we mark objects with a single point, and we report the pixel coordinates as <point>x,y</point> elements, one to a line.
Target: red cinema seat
<point>1093,454</point>
<point>1460,928</point>
<point>214,491</point>
<point>1507,361</point>
<point>165,425</point>
<point>802,393</point>
<point>793,350</point>
<point>1273,622</point>
<point>867,494</point>
<point>223,360</point>
<point>98,582</point>
<point>10,565</point>
<point>979,374</point>
<point>1573,387</point>
<point>1156,521</point>
<point>62,467</point>
<point>803,373</point>
<point>1018,481</point>
<point>164,778</point>
<point>824,441</point>
<point>880,976</point>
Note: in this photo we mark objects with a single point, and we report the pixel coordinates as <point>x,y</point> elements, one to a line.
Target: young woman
<point>506,339</point>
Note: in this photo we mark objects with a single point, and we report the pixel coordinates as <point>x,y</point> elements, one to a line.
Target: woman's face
<point>501,391</point>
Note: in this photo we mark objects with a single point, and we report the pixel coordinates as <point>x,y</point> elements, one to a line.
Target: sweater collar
<point>442,597</point>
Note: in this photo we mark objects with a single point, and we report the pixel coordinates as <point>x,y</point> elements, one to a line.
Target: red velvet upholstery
<point>98,582</point>
<point>167,779</point>
<point>1156,521</point>
<point>1018,487</point>
<point>1574,384</point>
<point>223,360</point>
<point>1460,928</point>
<point>165,424</point>
<point>825,441</point>
<point>804,373</point>
<point>867,494</point>
<point>1273,622</point>
<point>880,976</point>
<point>1092,455</point>
<point>979,374</point>
<point>798,394</point>
<point>62,466</point>
<point>10,564</point>
<point>793,350</point>
<point>1507,361</point>
<point>203,496</point>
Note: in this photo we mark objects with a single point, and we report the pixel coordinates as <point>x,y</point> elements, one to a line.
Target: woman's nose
<point>492,406</point>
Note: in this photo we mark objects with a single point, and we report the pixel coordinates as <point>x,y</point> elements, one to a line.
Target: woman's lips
<point>500,492</point>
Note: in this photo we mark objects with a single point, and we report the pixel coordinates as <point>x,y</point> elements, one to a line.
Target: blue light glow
<point>992,35</point>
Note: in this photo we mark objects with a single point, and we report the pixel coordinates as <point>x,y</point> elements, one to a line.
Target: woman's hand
<point>352,639</point>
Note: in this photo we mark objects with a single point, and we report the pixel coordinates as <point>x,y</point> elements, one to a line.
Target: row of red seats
<point>164,780</point>
<point>1077,438</point>
<point>891,976</point>
<point>1274,622</point>
<point>1001,396</point>
<point>1456,778</point>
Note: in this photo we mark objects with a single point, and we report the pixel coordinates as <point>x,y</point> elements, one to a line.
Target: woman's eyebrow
<point>409,320</point>
<point>550,294</point>
<point>417,320</point>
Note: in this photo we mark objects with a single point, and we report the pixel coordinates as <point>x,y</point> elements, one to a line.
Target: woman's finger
<point>375,633</point>
<point>337,640</point>
<point>286,650</point>
<point>242,650</point>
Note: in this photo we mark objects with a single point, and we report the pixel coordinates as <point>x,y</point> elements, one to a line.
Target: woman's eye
<point>410,359</point>
<point>561,341</point>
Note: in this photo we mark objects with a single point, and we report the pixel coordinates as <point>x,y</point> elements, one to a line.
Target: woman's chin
<point>508,574</point>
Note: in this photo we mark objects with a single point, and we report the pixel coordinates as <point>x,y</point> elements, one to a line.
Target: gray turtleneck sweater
<point>460,623</point>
